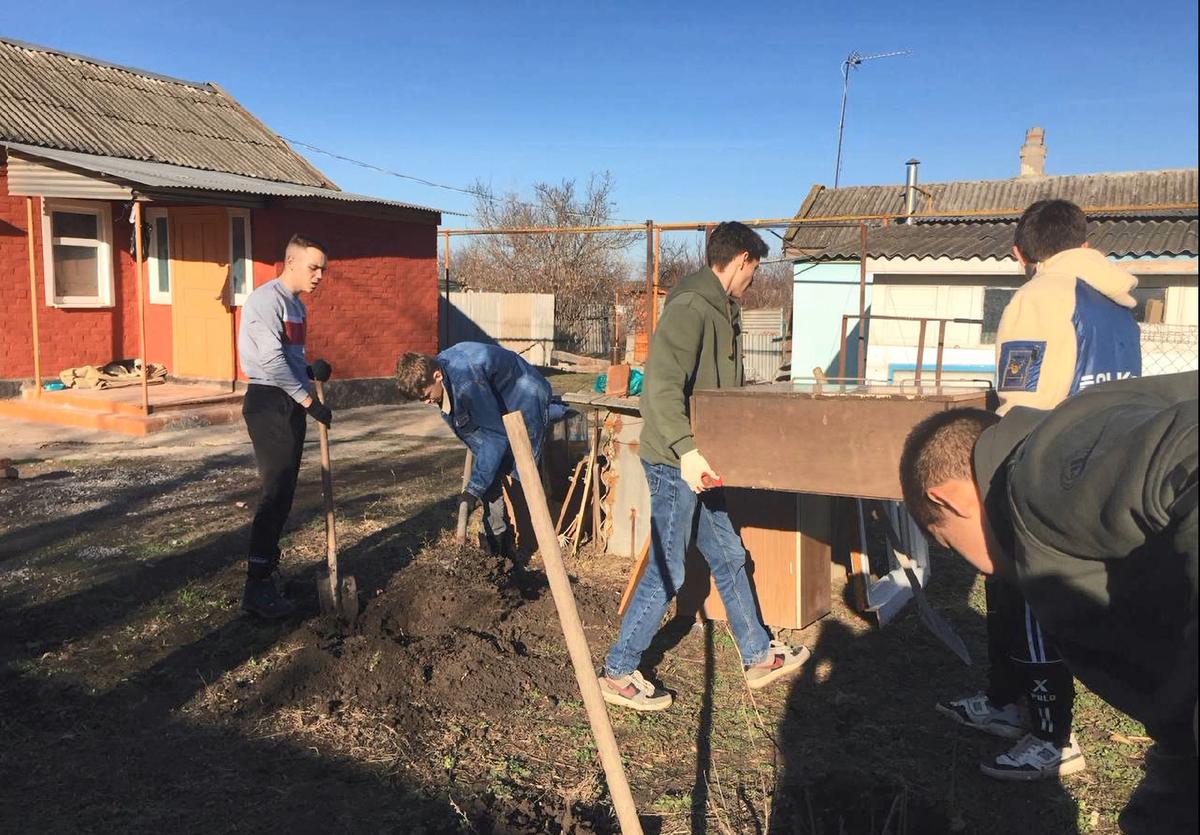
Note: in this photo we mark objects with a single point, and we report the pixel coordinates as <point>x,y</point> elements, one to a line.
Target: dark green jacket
<point>1096,503</point>
<point>696,346</point>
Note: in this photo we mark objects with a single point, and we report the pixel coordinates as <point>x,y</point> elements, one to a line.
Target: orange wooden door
<point>202,321</point>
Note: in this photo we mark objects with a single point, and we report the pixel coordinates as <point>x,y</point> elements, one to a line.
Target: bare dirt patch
<point>138,699</point>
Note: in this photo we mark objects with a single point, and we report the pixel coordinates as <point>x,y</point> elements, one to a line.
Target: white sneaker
<point>979,713</point>
<point>782,660</point>
<point>1036,759</point>
<point>633,691</point>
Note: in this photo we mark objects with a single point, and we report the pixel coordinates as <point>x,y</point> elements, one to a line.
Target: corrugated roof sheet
<point>69,102</point>
<point>994,239</point>
<point>157,177</point>
<point>1152,223</point>
<point>1129,188</point>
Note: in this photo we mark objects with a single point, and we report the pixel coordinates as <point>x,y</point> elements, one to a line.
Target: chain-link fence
<point>1169,349</point>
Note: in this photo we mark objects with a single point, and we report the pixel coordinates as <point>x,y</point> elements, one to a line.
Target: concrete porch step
<point>62,414</point>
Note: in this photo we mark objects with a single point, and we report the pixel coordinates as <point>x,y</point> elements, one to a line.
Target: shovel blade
<point>325,596</point>
<point>934,622</point>
<point>349,599</point>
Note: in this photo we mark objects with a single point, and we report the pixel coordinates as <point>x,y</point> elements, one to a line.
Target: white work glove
<point>694,468</point>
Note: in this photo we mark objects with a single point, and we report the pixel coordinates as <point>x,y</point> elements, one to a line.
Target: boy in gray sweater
<point>271,349</point>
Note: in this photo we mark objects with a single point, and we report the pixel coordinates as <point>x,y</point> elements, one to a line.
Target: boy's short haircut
<point>729,240</point>
<point>1049,227</point>
<point>303,241</point>
<point>414,374</point>
<point>939,449</point>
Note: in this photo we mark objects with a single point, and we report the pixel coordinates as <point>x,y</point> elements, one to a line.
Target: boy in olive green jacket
<point>697,346</point>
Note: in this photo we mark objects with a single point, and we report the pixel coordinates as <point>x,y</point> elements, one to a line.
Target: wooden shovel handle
<point>327,495</point>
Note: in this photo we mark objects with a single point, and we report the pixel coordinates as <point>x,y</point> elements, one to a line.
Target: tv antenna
<point>853,60</point>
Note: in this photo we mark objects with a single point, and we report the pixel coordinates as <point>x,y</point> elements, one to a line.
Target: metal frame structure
<point>653,232</point>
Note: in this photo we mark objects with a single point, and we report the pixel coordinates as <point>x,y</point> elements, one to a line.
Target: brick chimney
<point>1033,154</point>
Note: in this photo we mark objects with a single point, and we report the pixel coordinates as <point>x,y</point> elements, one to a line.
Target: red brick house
<point>86,146</point>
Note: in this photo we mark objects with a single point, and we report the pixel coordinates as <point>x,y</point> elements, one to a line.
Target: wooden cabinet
<point>788,537</point>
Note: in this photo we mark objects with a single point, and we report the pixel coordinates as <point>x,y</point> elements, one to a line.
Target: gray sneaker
<point>783,660</point>
<point>1036,759</point>
<point>633,691</point>
<point>979,713</point>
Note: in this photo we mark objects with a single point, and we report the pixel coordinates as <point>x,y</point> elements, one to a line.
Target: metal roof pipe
<point>910,188</point>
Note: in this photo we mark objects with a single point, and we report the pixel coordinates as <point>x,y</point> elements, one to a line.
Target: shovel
<point>464,509</point>
<point>338,595</point>
<point>933,621</point>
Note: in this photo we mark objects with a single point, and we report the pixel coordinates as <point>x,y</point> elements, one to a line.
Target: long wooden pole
<point>657,262</point>
<point>920,350</point>
<point>862,301</point>
<point>815,220</point>
<point>141,295</point>
<point>650,279</point>
<point>446,291</point>
<point>33,300</point>
<point>937,371</point>
<point>568,618</point>
<point>331,557</point>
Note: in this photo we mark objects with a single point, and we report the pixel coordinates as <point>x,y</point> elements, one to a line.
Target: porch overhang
<point>49,172</point>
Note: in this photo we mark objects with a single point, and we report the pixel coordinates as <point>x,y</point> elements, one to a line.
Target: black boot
<point>263,598</point>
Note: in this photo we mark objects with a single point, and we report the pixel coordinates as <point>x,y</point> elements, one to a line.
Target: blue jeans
<point>673,517</point>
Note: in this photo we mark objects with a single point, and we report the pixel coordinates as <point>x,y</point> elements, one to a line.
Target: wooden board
<point>814,439</point>
<point>618,380</point>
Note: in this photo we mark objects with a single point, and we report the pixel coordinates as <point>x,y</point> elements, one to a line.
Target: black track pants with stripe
<point>1025,663</point>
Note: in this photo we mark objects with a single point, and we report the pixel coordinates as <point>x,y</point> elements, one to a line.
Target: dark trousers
<point>1025,663</point>
<point>276,424</point>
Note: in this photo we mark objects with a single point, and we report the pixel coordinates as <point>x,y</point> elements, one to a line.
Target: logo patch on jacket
<point>1021,365</point>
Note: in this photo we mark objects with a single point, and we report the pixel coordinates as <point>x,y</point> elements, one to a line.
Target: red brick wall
<point>67,337</point>
<point>378,299</point>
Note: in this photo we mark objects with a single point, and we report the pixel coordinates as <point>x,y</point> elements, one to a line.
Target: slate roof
<point>56,100</point>
<point>159,180</point>
<point>991,239</point>
<point>976,219</point>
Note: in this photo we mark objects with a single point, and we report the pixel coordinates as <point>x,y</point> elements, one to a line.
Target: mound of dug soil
<point>453,632</point>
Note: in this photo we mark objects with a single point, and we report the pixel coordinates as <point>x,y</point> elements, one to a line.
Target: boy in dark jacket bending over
<point>476,384</point>
<point>1090,510</point>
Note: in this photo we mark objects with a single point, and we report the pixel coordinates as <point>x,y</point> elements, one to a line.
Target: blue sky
<point>700,110</point>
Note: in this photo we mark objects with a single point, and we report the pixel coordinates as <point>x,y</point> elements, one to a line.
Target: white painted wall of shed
<point>821,294</point>
<point>940,287</point>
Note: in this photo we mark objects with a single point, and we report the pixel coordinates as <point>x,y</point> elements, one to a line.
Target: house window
<point>77,251</point>
<point>160,256</point>
<point>995,299</point>
<point>241,265</point>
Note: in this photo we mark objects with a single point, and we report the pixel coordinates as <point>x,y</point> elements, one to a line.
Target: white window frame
<point>102,245</point>
<point>239,299</point>
<point>157,296</point>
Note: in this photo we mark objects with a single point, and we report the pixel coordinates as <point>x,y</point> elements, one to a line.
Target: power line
<point>473,192</point>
